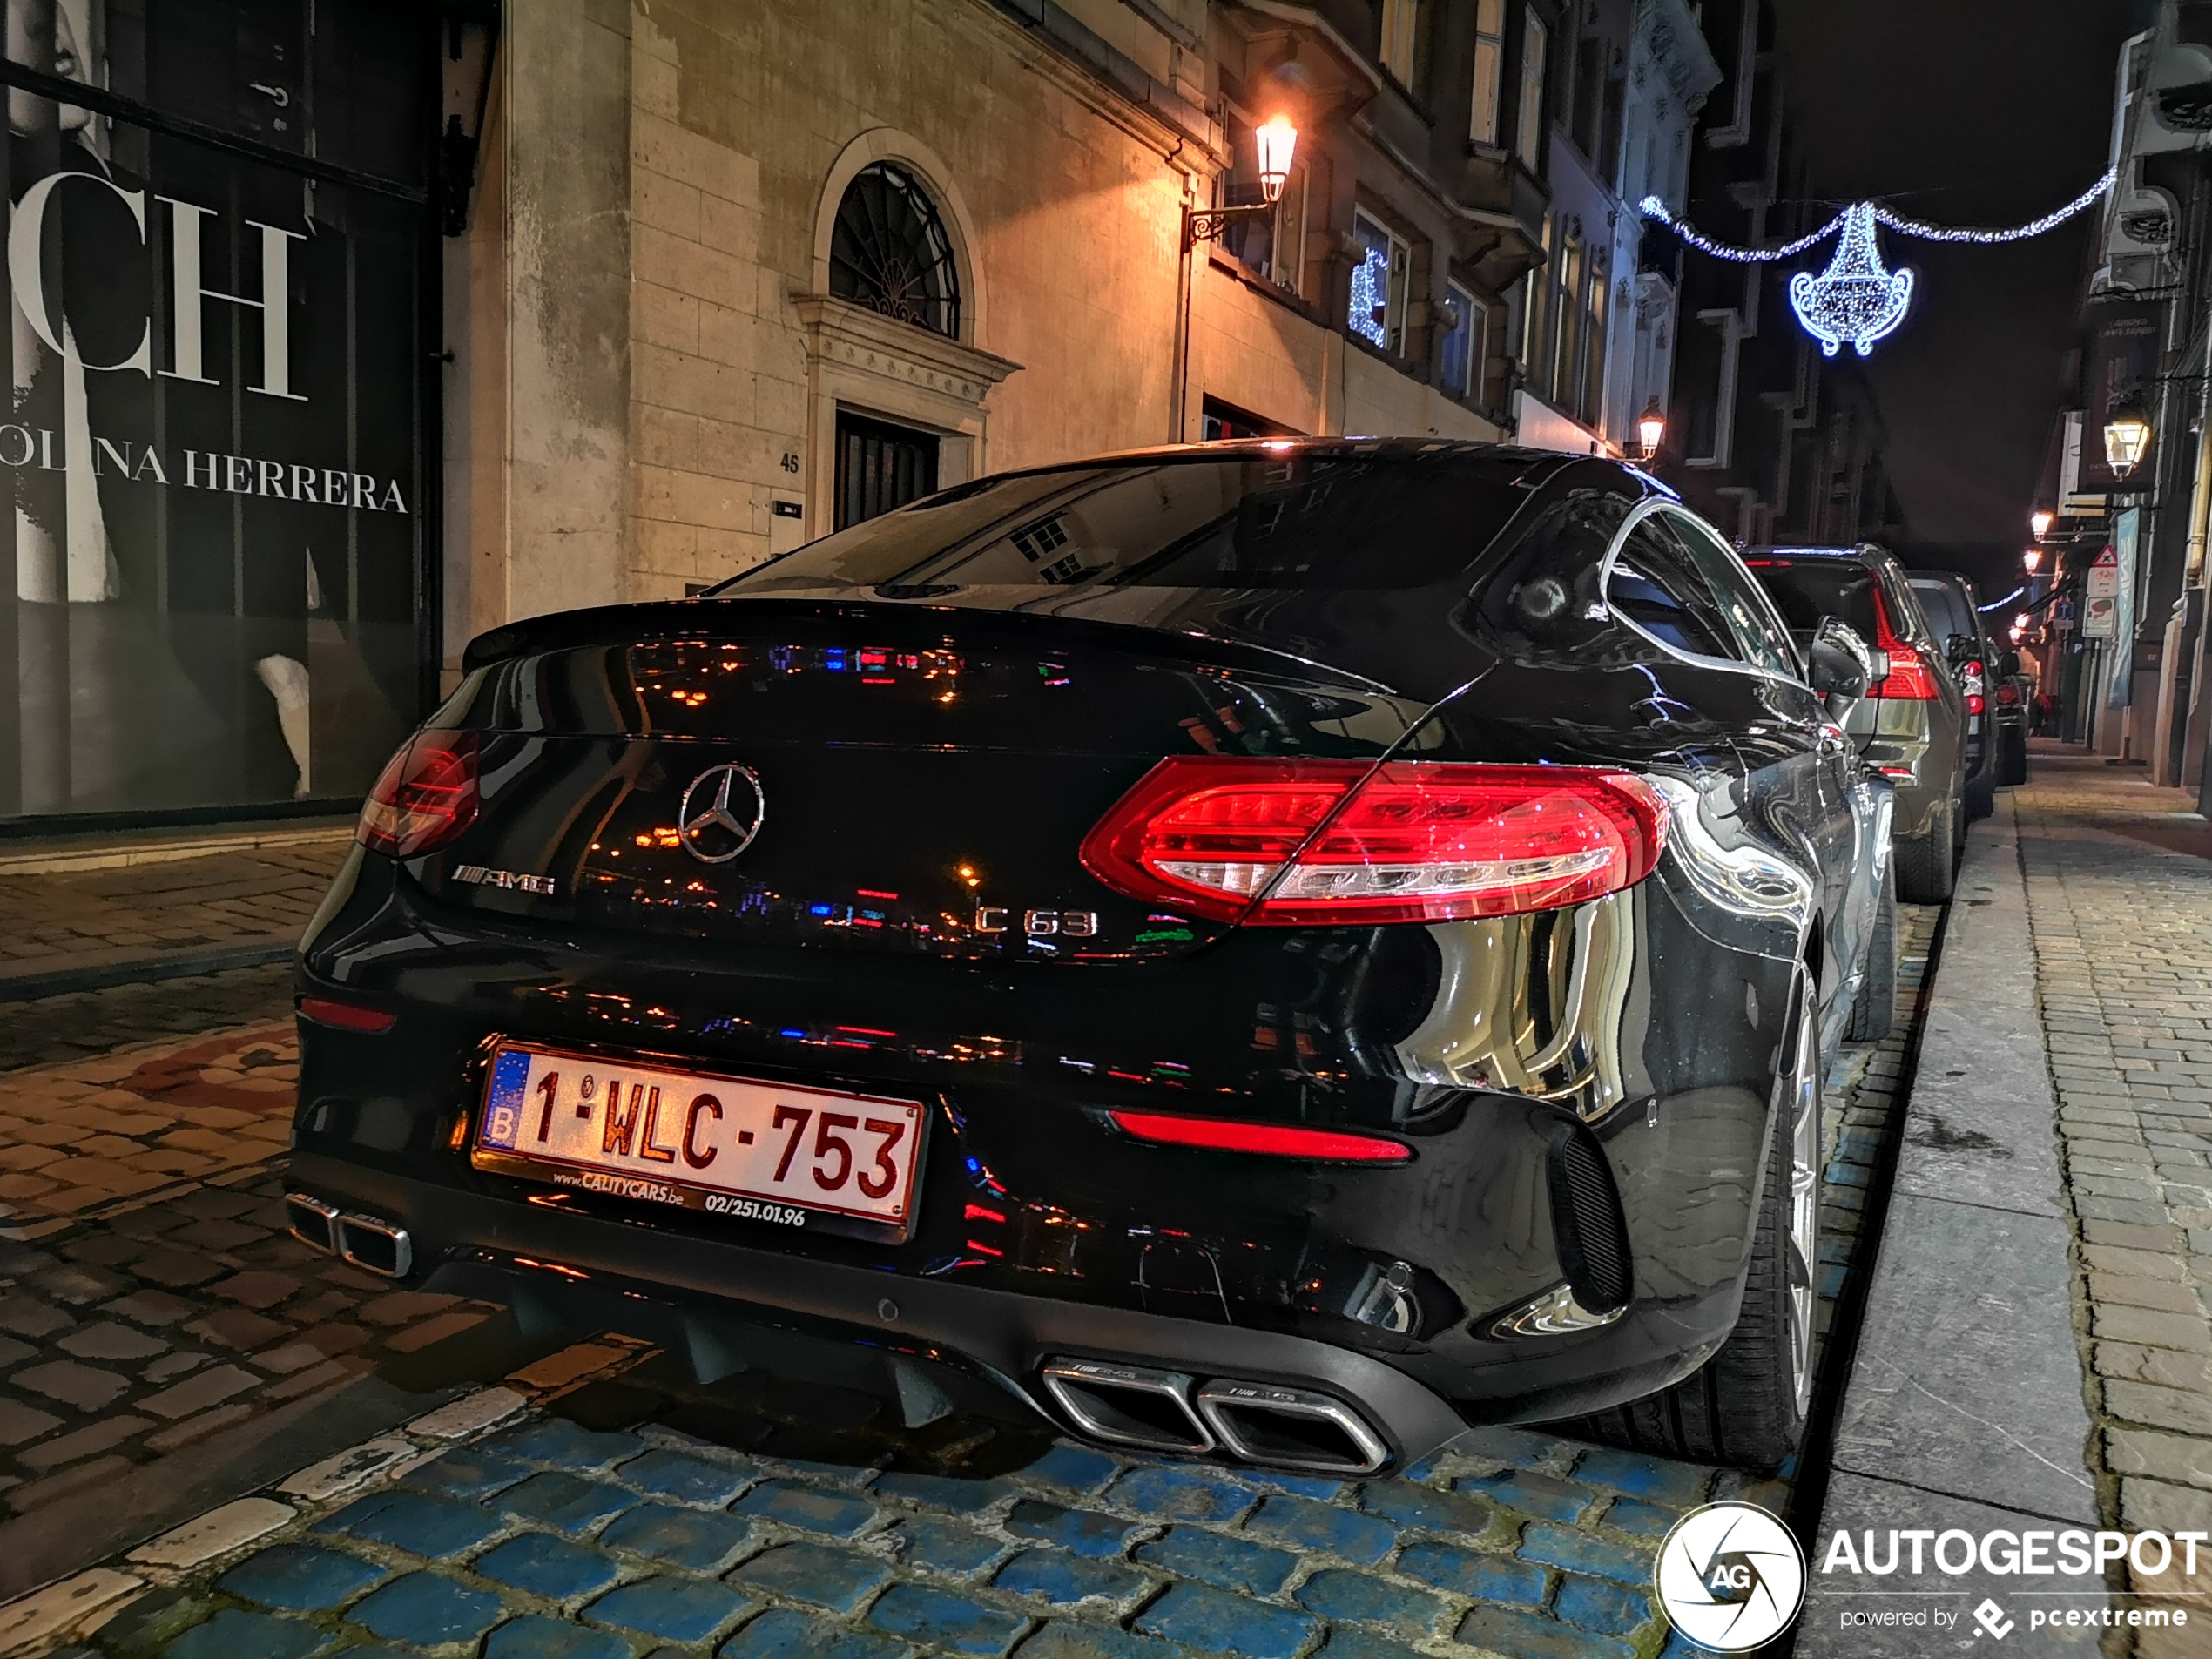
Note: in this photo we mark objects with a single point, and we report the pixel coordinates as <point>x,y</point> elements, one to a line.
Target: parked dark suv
<point>1911,725</point>
<point>1954,611</point>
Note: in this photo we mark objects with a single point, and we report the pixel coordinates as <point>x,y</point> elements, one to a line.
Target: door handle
<point>276,95</point>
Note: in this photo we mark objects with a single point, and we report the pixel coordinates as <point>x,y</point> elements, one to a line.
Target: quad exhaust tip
<point>1173,1412</point>
<point>374,1245</point>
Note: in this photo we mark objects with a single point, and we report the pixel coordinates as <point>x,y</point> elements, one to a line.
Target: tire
<point>1875,1010</point>
<point>2012,755</point>
<point>1927,864</point>
<point>1981,794</point>
<point>1746,1406</point>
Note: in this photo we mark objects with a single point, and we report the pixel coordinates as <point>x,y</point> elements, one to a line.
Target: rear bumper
<point>624,1278</point>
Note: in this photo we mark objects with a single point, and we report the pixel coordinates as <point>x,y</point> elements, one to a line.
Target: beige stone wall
<point>740,108</point>
<point>644,376</point>
<point>1264,357</point>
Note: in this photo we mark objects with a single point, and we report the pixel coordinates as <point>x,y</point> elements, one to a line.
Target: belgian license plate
<point>730,1146</point>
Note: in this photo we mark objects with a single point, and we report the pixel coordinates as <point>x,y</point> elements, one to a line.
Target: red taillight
<point>426,797</point>
<point>1974,704</point>
<point>2008,694</point>
<point>347,1017</point>
<point>1343,842</point>
<point>1910,676</point>
<point>1269,1140</point>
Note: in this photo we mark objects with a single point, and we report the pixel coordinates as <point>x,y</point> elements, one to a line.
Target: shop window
<point>881,467</point>
<point>1465,342</point>
<point>1528,142</point>
<point>1380,281</point>
<point>1489,70</point>
<point>212,560</point>
<point>888,252</point>
<point>1404,28</point>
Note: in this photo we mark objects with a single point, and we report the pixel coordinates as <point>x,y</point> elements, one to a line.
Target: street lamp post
<point>1275,139</point>
<point>2127,435</point>
<point>1651,427</point>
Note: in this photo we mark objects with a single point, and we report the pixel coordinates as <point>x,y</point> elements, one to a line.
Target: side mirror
<point>1842,667</point>
<point>1961,648</point>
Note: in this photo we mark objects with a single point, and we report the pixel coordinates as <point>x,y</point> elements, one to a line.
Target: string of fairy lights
<point>1856,301</point>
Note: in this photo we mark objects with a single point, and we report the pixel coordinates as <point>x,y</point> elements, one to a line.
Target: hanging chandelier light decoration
<point>1856,301</point>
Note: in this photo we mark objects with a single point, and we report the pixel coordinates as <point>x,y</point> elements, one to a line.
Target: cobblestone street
<point>171,1359</point>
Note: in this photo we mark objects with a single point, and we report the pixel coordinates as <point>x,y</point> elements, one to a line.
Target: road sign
<point>2100,597</point>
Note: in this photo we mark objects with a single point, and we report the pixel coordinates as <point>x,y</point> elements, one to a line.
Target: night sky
<point>1964,112</point>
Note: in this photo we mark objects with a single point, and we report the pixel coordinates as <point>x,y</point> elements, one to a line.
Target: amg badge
<point>478,875</point>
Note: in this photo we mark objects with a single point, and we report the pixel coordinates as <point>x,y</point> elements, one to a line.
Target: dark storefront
<point>219,557</point>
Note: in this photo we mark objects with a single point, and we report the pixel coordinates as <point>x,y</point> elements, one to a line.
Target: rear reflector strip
<point>347,1017</point>
<point>1268,1139</point>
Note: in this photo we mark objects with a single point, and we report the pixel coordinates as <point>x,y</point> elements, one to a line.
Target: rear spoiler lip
<point>744,618</point>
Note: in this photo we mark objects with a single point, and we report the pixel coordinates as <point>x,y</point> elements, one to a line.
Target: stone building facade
<point>665,367</point>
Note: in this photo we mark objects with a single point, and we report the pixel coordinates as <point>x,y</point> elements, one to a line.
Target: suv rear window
<point>1331,521</point>
<point>1805,591</point>
<point>1946,608</point>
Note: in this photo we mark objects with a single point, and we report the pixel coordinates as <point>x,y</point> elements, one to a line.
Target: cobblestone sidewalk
<point>104,917</point>
<point>2123,944</point>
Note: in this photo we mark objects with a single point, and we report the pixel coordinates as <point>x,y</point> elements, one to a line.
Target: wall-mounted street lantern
<point>2127,435</point>
<point>2039,523</point>
<point>1277,140</point>
<point>2032,560</point>
<point>1651,427</point>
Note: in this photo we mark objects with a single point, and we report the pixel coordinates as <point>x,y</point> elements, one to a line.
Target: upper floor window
<point>888,250</point>
<point>1377,312</point>
<point>1467,343</point>
<point>1535,41</point>
<point>1489,70</point>
<point>1403,24</point>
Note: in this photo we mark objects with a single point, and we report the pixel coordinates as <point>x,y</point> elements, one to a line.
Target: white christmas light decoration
<point>1855,299</point>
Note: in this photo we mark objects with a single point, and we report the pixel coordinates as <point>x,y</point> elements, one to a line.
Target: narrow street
<point>220,1443</point>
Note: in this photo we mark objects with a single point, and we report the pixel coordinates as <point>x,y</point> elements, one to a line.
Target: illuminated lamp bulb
<point>1278,141</point>
<point>2127,435</point>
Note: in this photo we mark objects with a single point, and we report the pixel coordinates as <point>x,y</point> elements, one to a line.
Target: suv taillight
<point>1909,675</point>
<point>1320,843</point>
<point>426,796</point>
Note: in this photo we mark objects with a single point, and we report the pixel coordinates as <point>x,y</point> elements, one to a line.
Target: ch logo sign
<point>189,293</point>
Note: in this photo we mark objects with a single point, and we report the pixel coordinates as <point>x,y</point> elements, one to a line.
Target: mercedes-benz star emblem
<point>720,814</point>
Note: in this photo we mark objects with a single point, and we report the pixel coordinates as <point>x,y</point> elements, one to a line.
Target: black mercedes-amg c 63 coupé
<point>1271,951</point>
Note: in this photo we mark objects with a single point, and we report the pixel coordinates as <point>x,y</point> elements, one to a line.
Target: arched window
<point>888,252</point>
